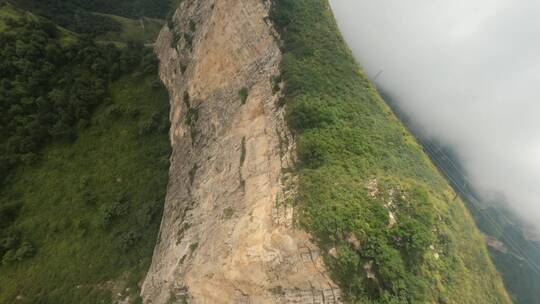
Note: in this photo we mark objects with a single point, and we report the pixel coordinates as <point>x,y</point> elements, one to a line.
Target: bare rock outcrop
<point>227,234</point>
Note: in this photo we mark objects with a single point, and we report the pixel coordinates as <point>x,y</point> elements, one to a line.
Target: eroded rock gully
<point>226,234</point>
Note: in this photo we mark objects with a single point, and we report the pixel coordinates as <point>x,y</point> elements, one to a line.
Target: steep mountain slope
<point>227,234</point>
<point>84,156</point>
<point>243,188</point>
<point>515,253</point>
<point>516,257</point>
<point>361,174</point>
<point>80,15</point>
<point>290,180</point>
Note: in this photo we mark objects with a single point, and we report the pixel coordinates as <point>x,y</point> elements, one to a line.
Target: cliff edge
<point>227,234</point>
<point>255,215</point>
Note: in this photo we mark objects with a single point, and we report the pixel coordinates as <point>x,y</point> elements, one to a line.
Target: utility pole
<point>377,75</point>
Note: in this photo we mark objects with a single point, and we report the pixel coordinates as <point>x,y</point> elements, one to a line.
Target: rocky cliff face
<point>227,234</point>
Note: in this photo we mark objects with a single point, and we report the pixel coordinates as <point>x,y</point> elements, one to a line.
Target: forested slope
<point>84,159</point>
<point>391,227</point>
<point>79,15</point>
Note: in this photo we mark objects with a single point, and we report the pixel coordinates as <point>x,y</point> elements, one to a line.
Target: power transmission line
<point>477,205</point>
<point>469,182</point>
<point>493,222</point>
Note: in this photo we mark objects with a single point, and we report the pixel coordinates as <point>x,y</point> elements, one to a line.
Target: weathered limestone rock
<point>227,233</point>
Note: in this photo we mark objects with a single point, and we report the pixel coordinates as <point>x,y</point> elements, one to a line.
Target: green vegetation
<point>92,208</point>
<point>518,260</point>
<point>45,98</point>
<point>243,152</point>
<point>359,169</point>
<point>193,173</point>
<point>7,12</point>
<point>49,90</point>
<point>84,156</point>
<point>243,93</point>
<point>521,278</point>
<point>68,15</point>
<point>228,213</point>
<point>193,247</point>
<point>143,30</point>
<point>79,15</point>
<point>192,117</point>
<point>10,15</point>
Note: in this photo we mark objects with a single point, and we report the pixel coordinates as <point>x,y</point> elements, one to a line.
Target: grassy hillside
<point>390,226</point>
<point>81,205</point>
<point>97,17</point>
<point>9,12</point>
<point>91,208</point>
<point>518,259</point>
<point>144,30</point>
<point>126,8</point>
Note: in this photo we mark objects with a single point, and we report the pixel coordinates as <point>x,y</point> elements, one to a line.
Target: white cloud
<point>468,73</point>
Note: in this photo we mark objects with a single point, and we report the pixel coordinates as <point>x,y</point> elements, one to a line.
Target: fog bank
<point>468,73</point>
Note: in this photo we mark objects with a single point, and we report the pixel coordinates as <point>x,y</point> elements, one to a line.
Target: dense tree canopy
<point>76,114</point>
<point>48,90</point>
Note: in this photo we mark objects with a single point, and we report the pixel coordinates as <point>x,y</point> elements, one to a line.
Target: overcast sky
<point>468,73</point>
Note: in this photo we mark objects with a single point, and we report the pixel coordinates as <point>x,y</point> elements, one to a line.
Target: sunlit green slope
<point>391,228</point>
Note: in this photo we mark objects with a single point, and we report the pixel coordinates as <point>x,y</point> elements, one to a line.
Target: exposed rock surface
<point>227,234</point>
<point>495,244</point>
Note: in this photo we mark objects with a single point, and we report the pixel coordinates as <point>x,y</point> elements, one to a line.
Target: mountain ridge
<point>290,178</point>
<point>386,223</point>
